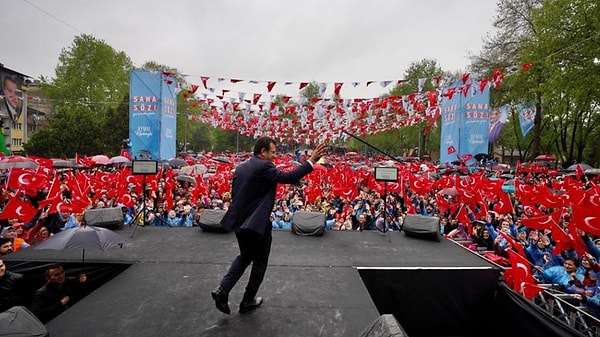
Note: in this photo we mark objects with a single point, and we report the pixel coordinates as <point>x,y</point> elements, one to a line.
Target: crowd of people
<point>487,224</point>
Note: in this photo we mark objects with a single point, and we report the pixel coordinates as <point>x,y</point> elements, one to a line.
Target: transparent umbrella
<point>17,162</point>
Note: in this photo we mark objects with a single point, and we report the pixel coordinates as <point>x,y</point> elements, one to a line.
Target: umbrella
<point>592,171</point>
<point>222,160</point>
<point>100,159</point>
<point>545,157</point>
<point>84,237</point>
<point>449,191</point>
<point>17,162</point>
<point>185,178</point>
<point>119,160</point>
<point>177,162</point>
<point>62,163</point>
<point>584,167</point>
<point>481,156</point>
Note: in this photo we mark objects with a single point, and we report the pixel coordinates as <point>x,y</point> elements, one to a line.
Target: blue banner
<point>450,123</point>
<point>465,121</point>
<point>526,117</point>
<point>152,111</point>
<point>168,120</point>
<point>475,120</point>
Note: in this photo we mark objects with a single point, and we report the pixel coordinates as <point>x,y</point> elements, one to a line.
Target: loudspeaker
<point>420,226</point>
<point>308,223</point>
<point>19,321</point>
<point>111,217</point>
<point>384,326</point>
<point>210,220</point>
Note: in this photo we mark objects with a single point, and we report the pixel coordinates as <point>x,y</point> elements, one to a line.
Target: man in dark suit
<point>253,196</point>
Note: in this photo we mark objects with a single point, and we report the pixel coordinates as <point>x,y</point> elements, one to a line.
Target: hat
<point>6,229</point>
<point>479,222</point>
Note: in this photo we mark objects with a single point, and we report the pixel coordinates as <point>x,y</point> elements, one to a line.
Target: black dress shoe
<point>250,305</point>
<point>221,300</point>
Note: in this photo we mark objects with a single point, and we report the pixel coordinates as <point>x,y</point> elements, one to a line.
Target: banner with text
<point>152,112</point>
<point>465,121</point>
<point>526,117</point>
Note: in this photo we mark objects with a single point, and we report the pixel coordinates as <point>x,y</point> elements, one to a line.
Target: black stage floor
<point>312,286</point>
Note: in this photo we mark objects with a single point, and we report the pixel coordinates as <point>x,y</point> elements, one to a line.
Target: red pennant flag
<point>302,85</point>
<point>256,98</point>
<point>526,66</point>
<point>270,86</point>
<point>337,87</point>
<point>451,149</point>
<point>204,79</point>
<point>18,209</point>
<point>465,77</point>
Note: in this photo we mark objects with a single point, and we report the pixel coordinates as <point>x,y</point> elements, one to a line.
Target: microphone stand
<point>372,146</point>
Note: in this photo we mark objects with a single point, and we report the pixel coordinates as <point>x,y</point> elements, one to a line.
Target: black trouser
<point>255,249</point>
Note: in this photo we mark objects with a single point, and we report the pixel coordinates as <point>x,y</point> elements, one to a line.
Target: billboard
<point>152,115</point>
<point>465,111</point>
<point>11,95</point>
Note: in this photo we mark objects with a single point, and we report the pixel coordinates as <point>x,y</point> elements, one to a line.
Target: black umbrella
<point>222,160</point>
<point>187,178</point>
<point>84,237</point>
<point>481,156</point>
<point>584,167</point>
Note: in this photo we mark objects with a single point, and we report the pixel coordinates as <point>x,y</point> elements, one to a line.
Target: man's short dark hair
<point>4,240</point>
<point>263,143</point>
<point>54,266</point>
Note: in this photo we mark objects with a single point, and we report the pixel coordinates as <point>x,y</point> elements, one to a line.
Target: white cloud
<point>325,41</point>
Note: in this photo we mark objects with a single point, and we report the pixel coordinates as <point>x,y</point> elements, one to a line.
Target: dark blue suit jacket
<point>253,193</point>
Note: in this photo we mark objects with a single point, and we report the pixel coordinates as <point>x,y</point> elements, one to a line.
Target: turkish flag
<point>542,222</point>
<point>18,209</point>
<point>27,180</point>
<point>125,154</point>
<point>586,217</point>
<point>503,205</point>
<point>451,149</point>
<point>520,271</point>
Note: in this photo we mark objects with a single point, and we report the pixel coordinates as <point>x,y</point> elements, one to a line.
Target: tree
<point>91,79</point>
<point>558,40</point>
<point>406,140</point>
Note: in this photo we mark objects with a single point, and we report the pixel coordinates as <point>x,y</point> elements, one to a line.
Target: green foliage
<point>560,39</point>
<point>91,81</point>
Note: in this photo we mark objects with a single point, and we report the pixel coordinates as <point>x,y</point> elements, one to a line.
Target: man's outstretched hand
<point>319,151</point>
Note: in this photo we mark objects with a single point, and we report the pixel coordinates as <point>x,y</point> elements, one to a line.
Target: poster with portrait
<point>11,95</point>
<point>498,117</point>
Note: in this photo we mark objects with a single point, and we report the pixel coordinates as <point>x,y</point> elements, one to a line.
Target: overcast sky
<point>266,40</point>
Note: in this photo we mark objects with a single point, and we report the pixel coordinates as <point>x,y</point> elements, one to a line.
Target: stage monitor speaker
<point>420,226</point>
<point>210,220</point>
<point>19,321</point>
<point>384,326</point>
<point>308,223</point>
<point>111,217</point>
